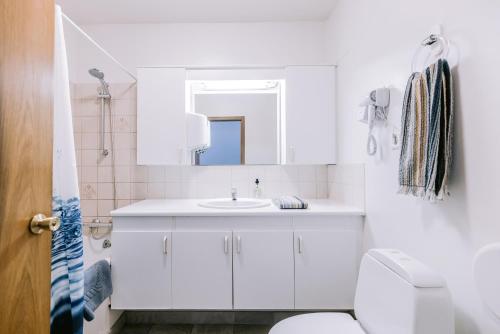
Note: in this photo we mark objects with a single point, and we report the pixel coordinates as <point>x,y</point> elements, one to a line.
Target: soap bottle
<point>257,192</point>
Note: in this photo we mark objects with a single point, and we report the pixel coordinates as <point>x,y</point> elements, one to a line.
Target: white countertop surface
<point>191,207</point>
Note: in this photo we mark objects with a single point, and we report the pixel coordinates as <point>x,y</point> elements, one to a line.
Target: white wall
<point>373,43</point>
<point>261,121</point>
<point>201,44</point>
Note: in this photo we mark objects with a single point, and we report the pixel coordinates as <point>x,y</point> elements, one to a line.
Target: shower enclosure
<point>91,70</point>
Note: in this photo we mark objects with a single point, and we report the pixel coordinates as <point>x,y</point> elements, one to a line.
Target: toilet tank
<point>399,295</point>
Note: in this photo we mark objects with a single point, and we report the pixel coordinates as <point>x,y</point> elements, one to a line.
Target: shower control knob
<point>106,243</point>
<point>40,223</point>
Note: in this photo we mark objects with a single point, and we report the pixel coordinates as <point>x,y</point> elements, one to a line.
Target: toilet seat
<point>318,323</point>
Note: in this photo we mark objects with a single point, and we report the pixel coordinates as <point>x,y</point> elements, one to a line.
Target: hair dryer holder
<point>375,111</point>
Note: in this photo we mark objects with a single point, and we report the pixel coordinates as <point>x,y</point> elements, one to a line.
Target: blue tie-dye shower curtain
<point>67,245</point>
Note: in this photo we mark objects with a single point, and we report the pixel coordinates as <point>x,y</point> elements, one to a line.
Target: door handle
<point>40,223</point>
<point>165,245</point>
<point>226,244</point>
<point>238,244</point>
<point>299,241</point>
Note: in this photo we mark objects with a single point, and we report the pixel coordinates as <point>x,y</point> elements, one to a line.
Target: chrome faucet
<point>234,193</point>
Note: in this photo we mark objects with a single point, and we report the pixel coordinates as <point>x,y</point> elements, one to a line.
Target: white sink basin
<point>240,203</point>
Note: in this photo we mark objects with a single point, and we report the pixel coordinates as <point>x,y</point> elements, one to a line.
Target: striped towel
<point>290,202</point>
<point>427,133</point>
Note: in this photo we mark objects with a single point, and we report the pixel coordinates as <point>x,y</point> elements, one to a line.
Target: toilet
<point>396,294</point>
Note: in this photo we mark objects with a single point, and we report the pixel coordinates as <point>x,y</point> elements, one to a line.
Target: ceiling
<point>156,11</point>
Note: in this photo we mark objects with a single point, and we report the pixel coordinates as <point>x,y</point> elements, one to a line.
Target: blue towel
<point>97,287</point>
<point>290,202</point>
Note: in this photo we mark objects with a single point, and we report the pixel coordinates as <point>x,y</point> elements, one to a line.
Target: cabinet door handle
<point>165,245</point>
<point>226,244</point>
<point>299,240</point>
<point>238,244</point>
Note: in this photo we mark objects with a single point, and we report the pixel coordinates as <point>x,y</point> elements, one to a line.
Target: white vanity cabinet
<point>310,115</point>
<point>202,270</point>
<point>272,261</point>
<point>263,270</point>
<point>142,269</point>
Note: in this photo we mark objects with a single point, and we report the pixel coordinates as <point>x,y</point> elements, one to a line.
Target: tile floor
<point>196,329</point>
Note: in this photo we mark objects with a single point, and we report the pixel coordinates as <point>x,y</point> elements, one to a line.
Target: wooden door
<point>142,270</point>
<point>202,270</point>
<point>26,63</point>
<point>263,270</point>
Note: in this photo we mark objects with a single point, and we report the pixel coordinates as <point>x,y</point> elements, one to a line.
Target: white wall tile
<point>90,124</point>
<point>105,191</point>
<point>104,174</point>
<point>307,173</point>
<point>156,174</point>
<point>138,173</point>
<point>104,207</point>
<point>88,174</point>
<point>89,141</point>
<point>122,174</point>
<point>173,174</point>
<point>173,190</point>
<point>123,190</point>
<point>89,157</point>
<point>156,190</point>
<point>89,207</point>
<point>88,191</point>
<point>138,191</point>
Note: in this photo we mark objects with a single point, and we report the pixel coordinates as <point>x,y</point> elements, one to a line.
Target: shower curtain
<point>66,305</point>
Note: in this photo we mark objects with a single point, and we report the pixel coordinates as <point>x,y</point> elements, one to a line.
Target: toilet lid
<point>487,276</point>
<point>318,323</point>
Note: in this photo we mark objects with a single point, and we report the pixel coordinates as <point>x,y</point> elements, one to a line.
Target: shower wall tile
<point>134,183</point>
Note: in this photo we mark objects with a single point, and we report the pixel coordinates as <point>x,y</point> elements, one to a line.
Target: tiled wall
<point>346,184</point>
<point>140,182</point>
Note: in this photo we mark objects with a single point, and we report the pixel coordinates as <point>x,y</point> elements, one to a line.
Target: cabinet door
<point>326,271</point>
<point>263,270</point>
<point>202,270</point>
<point>310,115</point>
<point>141,270</point>
<point>161,116</point>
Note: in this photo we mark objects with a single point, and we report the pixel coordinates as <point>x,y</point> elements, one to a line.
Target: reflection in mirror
<point>244,120</point>
<point>227,145</point>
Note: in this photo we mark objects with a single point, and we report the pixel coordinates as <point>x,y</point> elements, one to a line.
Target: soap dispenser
<point>257,192</point>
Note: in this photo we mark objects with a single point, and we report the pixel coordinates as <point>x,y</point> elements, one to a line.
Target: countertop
<point>191,207</point>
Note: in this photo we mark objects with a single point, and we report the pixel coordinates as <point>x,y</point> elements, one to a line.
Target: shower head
<point>96,73</point>
<point>100,76</point>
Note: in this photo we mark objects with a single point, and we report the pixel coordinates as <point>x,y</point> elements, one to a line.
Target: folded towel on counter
<point>290,202</point>
<point>427,133</point>
<point>97,287</point>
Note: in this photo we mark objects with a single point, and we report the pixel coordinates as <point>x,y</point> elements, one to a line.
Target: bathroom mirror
<point>234,116</point>
<point>244,117</point>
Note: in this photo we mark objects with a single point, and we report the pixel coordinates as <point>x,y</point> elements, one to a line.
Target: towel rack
<point>429,41</point>
<point>97,225</point>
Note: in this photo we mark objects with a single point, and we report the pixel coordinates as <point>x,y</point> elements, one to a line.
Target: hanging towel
<point>98,287</point>
<point>427,133</point>
<point>66,305</point>
<point>290,202</point>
